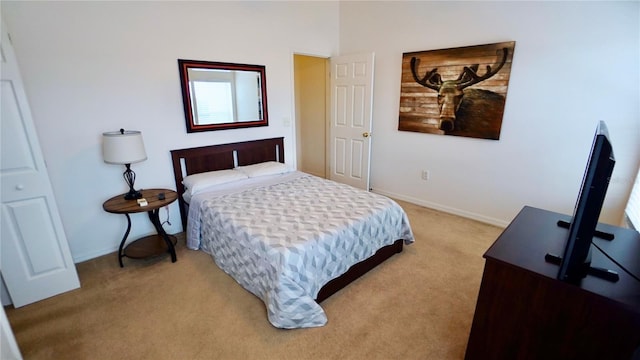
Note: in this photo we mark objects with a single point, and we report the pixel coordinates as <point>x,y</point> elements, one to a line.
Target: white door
<point>351,114</point>
<point>8,346</point>
<point>35,260</point>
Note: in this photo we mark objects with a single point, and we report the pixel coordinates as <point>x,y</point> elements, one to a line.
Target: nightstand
<point>151,245</point>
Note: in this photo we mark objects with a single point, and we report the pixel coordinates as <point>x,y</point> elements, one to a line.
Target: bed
<point>290,238</point>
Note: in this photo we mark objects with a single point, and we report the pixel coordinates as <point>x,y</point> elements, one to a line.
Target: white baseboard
<point>443,208</point>
<point>95,254</point>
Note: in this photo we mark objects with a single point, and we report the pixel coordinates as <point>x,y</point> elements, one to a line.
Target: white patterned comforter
<point>284,239</point>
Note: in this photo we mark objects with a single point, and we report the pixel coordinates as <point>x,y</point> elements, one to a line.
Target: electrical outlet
<point>425,175</point>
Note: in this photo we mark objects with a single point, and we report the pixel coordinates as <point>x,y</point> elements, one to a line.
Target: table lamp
<point>124,148</point>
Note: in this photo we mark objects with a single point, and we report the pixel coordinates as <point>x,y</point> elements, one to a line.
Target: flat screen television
<point>575,263</point>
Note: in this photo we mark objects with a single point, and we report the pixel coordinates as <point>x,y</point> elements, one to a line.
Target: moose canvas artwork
<point>457,91</point>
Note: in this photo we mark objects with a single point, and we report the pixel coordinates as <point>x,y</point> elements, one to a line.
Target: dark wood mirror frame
<point>187,96</point>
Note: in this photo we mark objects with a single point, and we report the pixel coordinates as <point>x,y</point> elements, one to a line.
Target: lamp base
<point>133,195</point>
<point>130,178</point>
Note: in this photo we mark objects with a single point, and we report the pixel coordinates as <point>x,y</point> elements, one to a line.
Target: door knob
<point>19,187</point>
<point>365,134</point>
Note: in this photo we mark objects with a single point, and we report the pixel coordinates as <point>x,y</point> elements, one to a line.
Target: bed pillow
<point>196,182</point>
<point>264,168</point>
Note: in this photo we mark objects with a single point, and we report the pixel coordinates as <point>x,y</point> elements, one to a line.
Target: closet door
<point>35,259</point>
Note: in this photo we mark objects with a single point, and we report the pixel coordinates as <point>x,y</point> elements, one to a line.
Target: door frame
<point>329,109</point>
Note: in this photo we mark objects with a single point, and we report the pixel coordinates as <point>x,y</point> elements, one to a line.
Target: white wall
<point>91,67</point>
<point>574,63</point>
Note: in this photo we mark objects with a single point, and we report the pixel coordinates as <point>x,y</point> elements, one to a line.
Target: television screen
<point>576,260</point>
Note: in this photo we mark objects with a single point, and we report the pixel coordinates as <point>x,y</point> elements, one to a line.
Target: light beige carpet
<point>417,305</point>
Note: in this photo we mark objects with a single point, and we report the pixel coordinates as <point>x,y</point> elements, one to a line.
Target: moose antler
<point>469,75</point>
<point>432,79</point>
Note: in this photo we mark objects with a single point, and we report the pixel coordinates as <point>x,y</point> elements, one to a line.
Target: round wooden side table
<point>151,245</point>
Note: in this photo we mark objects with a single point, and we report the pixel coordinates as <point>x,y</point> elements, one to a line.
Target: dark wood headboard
<point>219,157</point>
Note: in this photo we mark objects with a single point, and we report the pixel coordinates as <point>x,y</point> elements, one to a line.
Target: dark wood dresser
<point>524,312</point>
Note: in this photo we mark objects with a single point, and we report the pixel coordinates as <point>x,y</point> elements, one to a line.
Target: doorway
<point>311,109</point>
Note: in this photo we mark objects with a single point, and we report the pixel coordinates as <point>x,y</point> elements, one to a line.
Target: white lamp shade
<point>123,147</point>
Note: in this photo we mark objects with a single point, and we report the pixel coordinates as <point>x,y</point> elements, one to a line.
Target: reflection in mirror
<point>219,96</point>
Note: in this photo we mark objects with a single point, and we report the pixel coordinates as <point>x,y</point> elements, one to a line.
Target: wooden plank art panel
<point>457,91</point>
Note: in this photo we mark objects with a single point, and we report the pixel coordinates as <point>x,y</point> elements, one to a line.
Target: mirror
<point>220,96</point>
